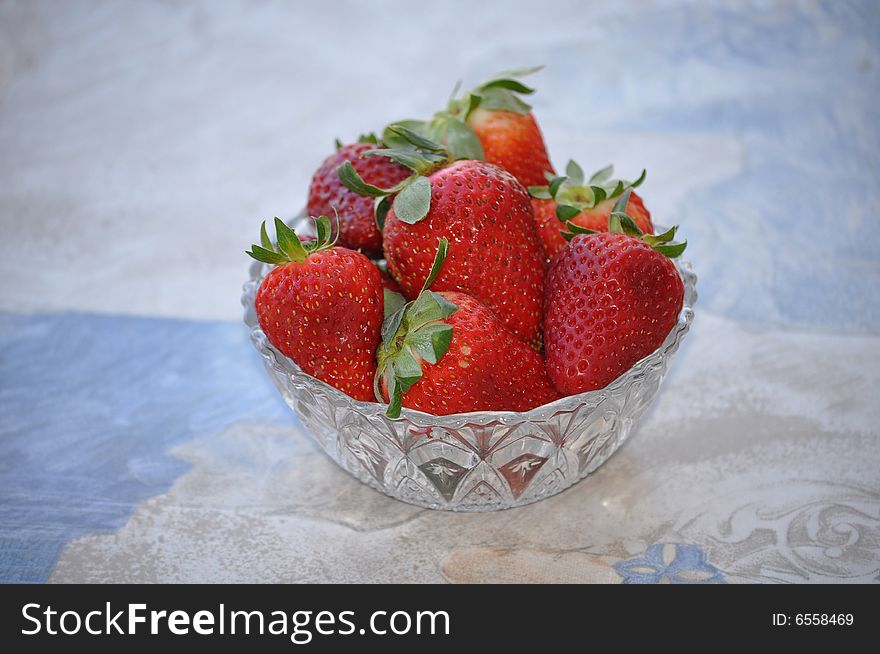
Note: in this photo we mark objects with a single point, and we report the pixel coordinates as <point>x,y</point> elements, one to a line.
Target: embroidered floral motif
<point>669,564</point>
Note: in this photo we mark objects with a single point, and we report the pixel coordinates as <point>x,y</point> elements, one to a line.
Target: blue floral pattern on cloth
<point>669,563</point>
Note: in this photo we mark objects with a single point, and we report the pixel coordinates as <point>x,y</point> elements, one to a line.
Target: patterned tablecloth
<point>142,143</point>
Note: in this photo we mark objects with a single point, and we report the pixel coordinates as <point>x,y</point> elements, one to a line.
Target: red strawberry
<point>612,298</point>
<point>357,226</point>
<point>587,205</point>
<point>513,141</point>
<point>449,353</point>
<point>322,307</point>
<point>495,254</point>
<point>493,124</point>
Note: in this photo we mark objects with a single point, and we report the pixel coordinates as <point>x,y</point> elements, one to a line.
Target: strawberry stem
<point>289,248</point>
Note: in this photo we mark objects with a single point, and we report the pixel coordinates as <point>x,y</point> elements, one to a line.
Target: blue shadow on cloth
<point>669,563</point>
<point>89,407</point>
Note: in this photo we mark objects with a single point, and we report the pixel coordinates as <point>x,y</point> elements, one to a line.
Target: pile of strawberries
<point>504,285</point>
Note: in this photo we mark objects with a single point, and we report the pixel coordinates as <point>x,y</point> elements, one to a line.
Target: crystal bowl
<point>479,461</point>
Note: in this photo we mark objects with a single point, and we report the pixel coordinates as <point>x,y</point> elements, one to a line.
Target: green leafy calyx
<point>412,196</point>
<point>502,92</point>
<point>620,223</point>
<point>412,335</point>
<point>289,248</point>
<point>410,148</point>
<point>574,194</point>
